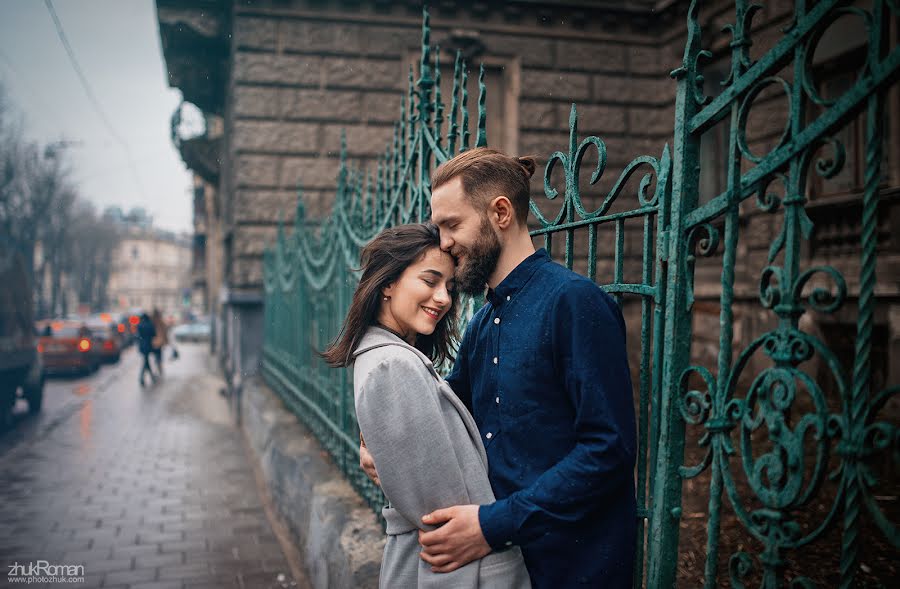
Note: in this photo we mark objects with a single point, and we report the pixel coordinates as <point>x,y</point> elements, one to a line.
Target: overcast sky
<point>117,45</point>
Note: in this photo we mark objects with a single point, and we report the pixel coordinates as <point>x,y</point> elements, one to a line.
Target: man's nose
<point>446,243</point>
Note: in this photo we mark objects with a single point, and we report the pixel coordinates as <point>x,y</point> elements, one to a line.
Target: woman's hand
<point>367,463</point>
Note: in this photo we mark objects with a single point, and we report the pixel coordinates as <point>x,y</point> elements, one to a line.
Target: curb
<point>334,532</point>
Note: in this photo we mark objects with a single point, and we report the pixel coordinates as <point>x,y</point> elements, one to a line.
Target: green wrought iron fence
<point>768,438</point>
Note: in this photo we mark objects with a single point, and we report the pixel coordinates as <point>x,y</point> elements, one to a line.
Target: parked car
<point>191,332</point>
<point>20,364</point>
<point>67,346</point>
<point>107,342</point>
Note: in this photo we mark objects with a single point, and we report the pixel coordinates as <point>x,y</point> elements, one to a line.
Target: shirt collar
<point>516,279</point>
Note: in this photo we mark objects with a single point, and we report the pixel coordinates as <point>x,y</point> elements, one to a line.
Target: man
<point>544,370</point>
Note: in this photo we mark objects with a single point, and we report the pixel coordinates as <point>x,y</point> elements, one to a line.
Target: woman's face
<point>420,298</point>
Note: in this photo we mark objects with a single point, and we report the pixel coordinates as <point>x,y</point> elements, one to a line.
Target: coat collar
<point>376,337</point>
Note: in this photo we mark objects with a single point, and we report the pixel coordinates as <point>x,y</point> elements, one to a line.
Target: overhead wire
<point>92,98</point>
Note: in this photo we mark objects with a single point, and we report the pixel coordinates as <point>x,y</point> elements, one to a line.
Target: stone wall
<point>304,72</point>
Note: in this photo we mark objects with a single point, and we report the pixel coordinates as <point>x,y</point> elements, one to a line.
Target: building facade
<point>280,81</point>
<point>151,269</point>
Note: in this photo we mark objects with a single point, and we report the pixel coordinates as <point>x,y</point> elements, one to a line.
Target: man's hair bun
<point>528,164</point>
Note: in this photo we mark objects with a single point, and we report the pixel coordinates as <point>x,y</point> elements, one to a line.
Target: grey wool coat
<point>429,455</point>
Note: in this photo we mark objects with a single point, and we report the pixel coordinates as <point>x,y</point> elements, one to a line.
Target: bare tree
<point>89,250</point>
<point>40,210</point>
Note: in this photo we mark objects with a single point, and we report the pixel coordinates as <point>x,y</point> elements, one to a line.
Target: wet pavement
<point>144,487</point>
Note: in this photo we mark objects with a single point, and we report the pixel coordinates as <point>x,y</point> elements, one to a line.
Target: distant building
<point>151,267</point>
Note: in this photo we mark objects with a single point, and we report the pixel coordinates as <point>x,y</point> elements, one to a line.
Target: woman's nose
<point>441,295</point>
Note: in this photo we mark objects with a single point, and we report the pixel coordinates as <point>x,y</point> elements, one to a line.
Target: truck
<point>21,372</point>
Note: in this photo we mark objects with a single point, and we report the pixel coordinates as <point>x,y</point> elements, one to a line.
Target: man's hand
<point>368,464</point>
<point>456,543</point>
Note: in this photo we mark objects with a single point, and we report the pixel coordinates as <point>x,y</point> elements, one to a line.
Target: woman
<point>424,442</point>
<point>161,339</point>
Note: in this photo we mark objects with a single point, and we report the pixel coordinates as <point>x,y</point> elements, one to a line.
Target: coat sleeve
<point>400,417</point>
<point>592,366</point>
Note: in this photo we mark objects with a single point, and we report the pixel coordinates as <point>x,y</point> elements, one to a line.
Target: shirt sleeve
<point>459,376</point>
<point>591,365</point>
<point>405,430</point>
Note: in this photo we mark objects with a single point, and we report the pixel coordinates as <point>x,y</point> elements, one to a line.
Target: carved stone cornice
<point>195,42</point>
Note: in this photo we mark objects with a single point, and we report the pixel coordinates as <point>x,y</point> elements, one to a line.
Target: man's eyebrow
<point>444,220</point>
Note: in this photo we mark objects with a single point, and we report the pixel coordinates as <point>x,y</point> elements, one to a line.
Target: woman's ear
<point>387,291</point>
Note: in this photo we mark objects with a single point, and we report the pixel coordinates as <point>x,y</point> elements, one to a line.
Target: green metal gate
<point>768,439</point>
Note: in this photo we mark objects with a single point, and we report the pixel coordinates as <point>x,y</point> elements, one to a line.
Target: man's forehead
<point>447,201</point>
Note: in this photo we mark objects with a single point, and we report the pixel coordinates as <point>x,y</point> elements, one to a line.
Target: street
<point>146,488</point>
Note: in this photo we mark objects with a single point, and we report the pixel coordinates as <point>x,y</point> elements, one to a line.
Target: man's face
<point>467,235</point>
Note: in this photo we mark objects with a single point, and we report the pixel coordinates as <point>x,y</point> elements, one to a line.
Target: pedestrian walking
<point>160,340</point>
<point>145,334</point>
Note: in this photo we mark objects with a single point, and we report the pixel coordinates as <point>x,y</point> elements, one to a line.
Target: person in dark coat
<point>160,339</point>
<point>145,334</point>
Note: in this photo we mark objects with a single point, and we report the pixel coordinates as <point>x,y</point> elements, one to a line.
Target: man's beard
<point>480,261</point>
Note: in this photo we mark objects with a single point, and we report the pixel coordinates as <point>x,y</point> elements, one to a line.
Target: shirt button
<point>489,435</point>
<point>495,359</point>
<point>497,321</point>
<point>507,297</point>
<point>497,400</point>
<point>509,542</point>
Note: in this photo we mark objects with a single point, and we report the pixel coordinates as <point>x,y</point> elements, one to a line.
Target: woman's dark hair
<point>382,262</point>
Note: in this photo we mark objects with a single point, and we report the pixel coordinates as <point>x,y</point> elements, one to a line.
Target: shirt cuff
<point>497,525</point>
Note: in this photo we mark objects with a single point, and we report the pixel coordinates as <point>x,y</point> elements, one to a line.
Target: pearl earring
<point>387,298</point>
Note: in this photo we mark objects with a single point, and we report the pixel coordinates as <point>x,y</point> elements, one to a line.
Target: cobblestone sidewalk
<point>147,488</point>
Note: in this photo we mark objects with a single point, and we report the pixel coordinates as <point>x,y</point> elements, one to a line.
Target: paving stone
<point>199,571</point>
<point>158,585</point>
<point>129,550</point>
<point>159,560</point>
<point>128,577</point>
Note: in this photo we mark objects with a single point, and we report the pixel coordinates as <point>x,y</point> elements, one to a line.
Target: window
<point>833,79</point>
<point>501,100</point>
<point>714,146</point>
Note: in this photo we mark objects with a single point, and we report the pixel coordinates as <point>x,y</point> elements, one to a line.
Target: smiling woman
<point>407,288</point>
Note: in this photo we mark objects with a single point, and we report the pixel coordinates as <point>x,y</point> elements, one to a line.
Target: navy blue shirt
<point>543,368</point>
